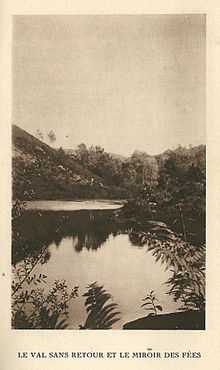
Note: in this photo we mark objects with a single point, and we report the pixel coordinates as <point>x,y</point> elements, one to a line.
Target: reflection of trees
<point>92,240</point>
<point>36,230</point>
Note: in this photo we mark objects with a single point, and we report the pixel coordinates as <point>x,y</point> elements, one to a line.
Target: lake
<point>84,245</point>
<point>59,205</point>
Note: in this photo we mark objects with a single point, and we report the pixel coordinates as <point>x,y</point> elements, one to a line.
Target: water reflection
<point>35,230</point>
<point>86,246</point>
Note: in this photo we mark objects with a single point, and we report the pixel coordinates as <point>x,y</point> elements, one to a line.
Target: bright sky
<point>122,82</point>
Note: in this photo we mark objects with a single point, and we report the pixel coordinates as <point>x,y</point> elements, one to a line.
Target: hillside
<point>41,172</point>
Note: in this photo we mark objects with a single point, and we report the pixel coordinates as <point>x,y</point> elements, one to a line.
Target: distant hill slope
<point>72,152</point>
<point>41,172</point>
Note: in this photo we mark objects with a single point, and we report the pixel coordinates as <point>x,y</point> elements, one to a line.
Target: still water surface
<point>87,246</point>
<point>59,205</point>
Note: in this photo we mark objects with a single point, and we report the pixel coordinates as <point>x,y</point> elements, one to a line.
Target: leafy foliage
<point>101,313</point>
<point>177,196</point>
<point>151,304</point>
<point>41,172</point>
<point>34,307</point>
<point>169,187</point>
<point>18,208</point>
<point>185,261</point>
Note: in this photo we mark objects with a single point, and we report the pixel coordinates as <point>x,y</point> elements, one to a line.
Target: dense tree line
<point>168,187</point>
<point>178,195</point>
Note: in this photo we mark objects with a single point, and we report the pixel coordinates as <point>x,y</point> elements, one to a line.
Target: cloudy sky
<point>122,82</point>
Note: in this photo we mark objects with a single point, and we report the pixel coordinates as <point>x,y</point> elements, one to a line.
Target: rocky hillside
<point>41,172</point>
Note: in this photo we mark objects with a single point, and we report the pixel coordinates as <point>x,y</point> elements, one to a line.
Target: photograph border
<point>205,342</point>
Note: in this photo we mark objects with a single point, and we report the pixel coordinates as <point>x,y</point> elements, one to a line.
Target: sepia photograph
<point>108,172</point>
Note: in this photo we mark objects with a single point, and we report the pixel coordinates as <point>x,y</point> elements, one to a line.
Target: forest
<point>164,208</point>
<point>170,186</point>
